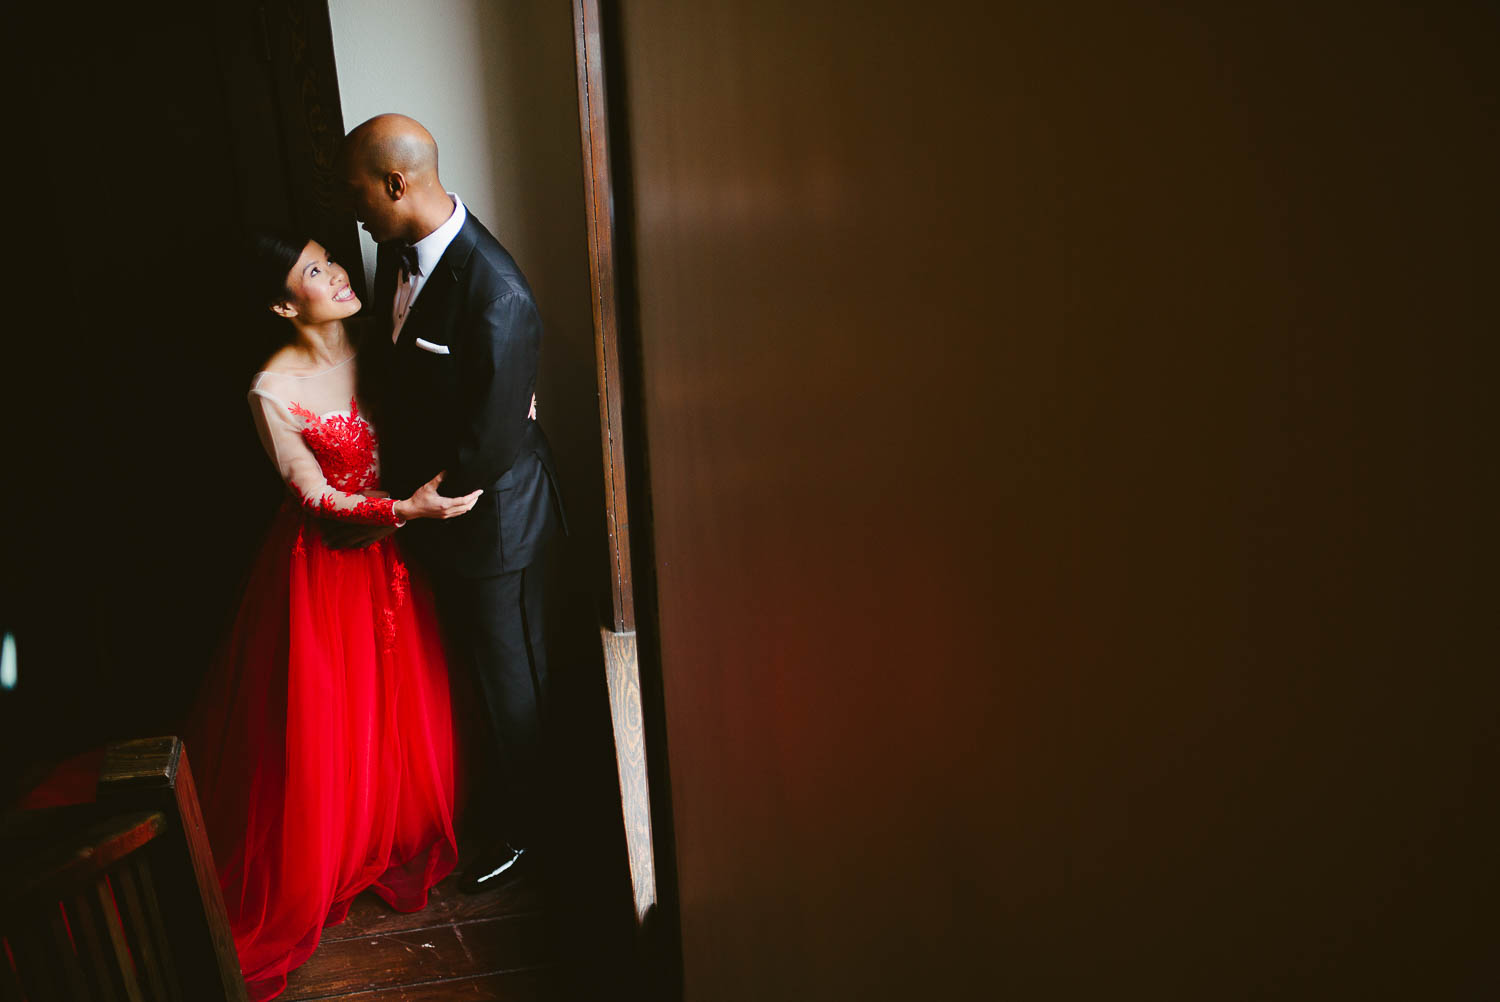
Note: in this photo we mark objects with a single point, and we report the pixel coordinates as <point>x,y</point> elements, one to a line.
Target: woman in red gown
<point>323,742</point>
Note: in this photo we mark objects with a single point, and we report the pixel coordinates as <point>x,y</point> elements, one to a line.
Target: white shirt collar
<point>430,248</point>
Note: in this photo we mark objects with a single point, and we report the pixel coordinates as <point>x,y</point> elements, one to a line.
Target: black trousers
<point>495,630</point>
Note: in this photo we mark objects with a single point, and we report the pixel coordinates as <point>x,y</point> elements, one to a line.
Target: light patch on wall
<point>8,662</point>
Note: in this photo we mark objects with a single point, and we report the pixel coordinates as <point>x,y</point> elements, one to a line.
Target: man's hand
<point>353,535</point>
<point>428,503</point>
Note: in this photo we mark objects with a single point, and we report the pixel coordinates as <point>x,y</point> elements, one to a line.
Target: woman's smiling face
<point>319,288</point>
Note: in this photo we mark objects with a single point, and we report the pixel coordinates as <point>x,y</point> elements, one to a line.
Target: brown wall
<point>1064,434</point>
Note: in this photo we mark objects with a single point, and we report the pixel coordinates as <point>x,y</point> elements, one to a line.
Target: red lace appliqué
<point>348,453</point>
<point>387,630</point>
<point>400,587</point>
<point>400,583</point>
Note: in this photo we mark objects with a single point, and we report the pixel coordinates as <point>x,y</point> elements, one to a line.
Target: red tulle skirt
<point>323,746</point>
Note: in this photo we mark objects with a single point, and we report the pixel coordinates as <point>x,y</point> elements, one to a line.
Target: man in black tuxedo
<point>456,361</point>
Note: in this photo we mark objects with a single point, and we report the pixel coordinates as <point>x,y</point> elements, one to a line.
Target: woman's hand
<point>428,503</point>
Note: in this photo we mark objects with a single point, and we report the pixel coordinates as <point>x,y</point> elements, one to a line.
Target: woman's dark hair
<point>269,257</point>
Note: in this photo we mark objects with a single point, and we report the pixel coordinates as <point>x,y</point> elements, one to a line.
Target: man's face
<point>373,205</point>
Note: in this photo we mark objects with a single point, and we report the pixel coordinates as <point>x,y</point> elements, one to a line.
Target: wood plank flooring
<point>497,946</point>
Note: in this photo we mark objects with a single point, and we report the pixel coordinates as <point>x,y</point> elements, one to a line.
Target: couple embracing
<point>323,738</point>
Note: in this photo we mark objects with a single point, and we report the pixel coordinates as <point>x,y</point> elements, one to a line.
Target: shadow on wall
<point>532,113</point>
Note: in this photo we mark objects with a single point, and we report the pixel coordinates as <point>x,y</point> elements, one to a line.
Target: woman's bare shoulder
<point>280,360</point>
<point>286,361</point>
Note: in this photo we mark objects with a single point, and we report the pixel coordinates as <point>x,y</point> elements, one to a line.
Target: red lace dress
<point>323,742</point>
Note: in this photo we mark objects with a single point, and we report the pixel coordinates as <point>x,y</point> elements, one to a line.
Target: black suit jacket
<point>466,411</point>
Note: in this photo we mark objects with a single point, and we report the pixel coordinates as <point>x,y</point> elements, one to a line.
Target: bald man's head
<point>388,143</point>
<point>389,165</point>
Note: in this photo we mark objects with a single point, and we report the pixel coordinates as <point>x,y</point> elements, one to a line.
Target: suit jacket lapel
<point>433,305</point>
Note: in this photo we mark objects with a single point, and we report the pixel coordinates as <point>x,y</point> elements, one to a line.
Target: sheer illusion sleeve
<point>281,426</point>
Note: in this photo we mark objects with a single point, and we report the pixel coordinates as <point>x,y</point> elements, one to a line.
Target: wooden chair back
<point>116,899</point>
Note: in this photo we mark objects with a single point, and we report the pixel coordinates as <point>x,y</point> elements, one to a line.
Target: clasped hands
<point>425,503</point>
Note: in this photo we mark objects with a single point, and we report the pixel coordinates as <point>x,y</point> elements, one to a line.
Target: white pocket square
<point>436,349</point>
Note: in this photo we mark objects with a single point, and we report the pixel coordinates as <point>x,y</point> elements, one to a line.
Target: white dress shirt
<point>429,252</point>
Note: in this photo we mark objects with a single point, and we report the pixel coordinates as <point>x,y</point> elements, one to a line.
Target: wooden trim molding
<point>622,671</point>
<point>598,197</point>
<point>622,665</point>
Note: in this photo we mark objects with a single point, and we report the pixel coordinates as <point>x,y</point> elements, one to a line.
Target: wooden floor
<point>521,942</point>
<point>493,946</point>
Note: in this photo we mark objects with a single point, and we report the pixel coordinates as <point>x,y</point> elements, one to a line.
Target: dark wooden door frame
<point>599,193</point>
<point>619,638</point>
<point>632,662</point>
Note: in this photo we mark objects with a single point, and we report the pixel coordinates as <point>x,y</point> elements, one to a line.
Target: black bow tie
<point>408,264</point>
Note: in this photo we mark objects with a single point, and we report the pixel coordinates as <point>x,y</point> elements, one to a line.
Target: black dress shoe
<point>500,864</point>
